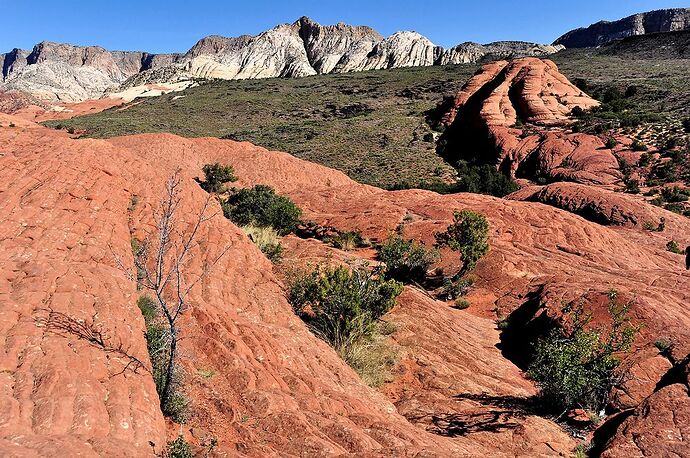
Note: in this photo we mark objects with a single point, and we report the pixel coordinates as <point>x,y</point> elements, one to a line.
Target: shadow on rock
<point>493,414</point>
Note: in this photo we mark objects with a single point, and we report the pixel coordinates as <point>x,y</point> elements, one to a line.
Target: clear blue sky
<point>175,25</point>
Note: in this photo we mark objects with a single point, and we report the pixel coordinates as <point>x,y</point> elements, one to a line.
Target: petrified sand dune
<point>276,390</point>
<point>534,248</point>
<point>600,205</point>
<point>485,121</point>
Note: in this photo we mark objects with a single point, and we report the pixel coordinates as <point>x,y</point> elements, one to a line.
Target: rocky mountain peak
<point>604,32</point>
<point>66,72</point>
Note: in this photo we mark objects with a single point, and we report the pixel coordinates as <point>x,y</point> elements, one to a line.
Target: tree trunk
<point>170,370</point>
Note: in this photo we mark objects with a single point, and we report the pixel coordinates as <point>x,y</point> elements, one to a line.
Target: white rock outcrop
<point>67,73</point>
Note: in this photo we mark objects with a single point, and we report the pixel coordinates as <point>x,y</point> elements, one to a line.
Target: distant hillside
<point>669,45</point>
<point>604,32</point>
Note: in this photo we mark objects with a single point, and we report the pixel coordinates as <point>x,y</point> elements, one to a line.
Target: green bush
<point>484,179</point>
<point>453,289</point>
<point>261,206</point>
<point>461,304</point>
<point>611,142</point>
<point>662,344</point>
<point>632,186</point>
<point>468,234</point>
<point>575,369</point>
<point>179,448</point>
<point>341,305</point>
<point>645,159</point>
<point>674,194</point>
<point>686,125</point>
<point>638,146</point>
<point>148,308</point>
<point>406,260</point>
<point>157,337</point>
<point>673,247</point>
<point>216,177</point>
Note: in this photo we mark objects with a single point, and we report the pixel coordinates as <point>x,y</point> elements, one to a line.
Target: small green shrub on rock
<point>216,176</point>
<point>673,247</point>
<point>406,260</point>
<point>638,146</point>
<point>468,234</point>
<point>261,206</point>
<point>341,305</point>
<point>575,369</point>
<point>611,143</point>
<point>179,448</point>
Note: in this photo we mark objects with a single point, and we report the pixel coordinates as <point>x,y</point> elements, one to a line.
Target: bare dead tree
<point>160,264</point>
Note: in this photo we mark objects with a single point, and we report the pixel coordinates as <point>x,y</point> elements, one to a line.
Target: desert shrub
<point>675,208</point>
<point>632,186</point>
<point>582,451</point>
<point>631,91</point>
<point>575,369</point>
<point>674,194</point>
<point>157,338</point>
<point>645,159</point>
<point>468,234</point>
<point>686,125</point>
<point>406,260</point>
<point>349,240</point>
<point>455,288</point>
<point>662,344</point>
<point>148,308</point>
<point>266,239</point>
<point>611,142</point>
<point>179,448</point>
<point>478,179</point>
<point>341,305</point>
<point>216,175</point>
<point>461,303</point>
<point>673,247</point>
<point>638,146</point>
<point>484,179</point>
<point>261,206</point>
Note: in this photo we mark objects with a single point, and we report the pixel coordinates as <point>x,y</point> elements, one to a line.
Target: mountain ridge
<point>69,73</point>
<point>605,32</point>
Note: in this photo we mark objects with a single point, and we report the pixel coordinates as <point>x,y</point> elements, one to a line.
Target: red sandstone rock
<point>600,205</point>
<point>659,427</point>
<point>533,91</point>
<point>276,389</point>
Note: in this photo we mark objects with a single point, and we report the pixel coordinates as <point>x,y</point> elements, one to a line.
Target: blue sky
<point>175,25</point>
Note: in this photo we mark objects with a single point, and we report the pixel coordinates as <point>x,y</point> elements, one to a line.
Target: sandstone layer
<point>276,389</point>
<point>514,114</point>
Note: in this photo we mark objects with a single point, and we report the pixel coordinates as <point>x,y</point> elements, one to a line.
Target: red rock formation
<point>532,247</point>
<point>275,389</point>
<point>600,205</point>
<point>487,119</point>
<point>527,89</point>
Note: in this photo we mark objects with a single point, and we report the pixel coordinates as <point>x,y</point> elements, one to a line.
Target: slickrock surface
<point>600,205</point>
<point>275,389</point>
<point>66,73</point>
<point>603,32</point>
<point>541,257</point>
<point>487,117</point>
